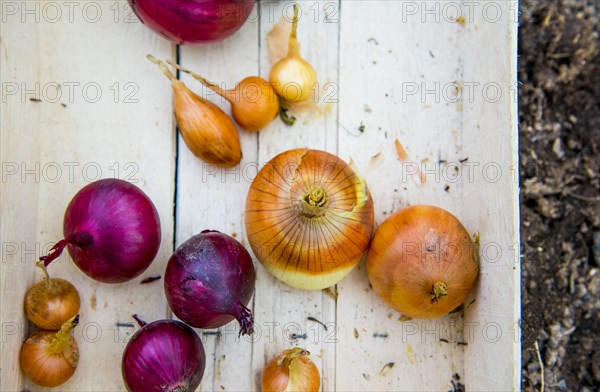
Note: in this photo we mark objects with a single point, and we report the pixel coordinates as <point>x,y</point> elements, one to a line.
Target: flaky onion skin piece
<point>309,218</point>
<point>422,261</point>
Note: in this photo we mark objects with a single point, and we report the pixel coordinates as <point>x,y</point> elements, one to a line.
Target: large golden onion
<point>309,218</point>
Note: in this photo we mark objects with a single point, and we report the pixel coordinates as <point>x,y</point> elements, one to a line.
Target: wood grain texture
<point>388,70</point>
<point>108,118</point>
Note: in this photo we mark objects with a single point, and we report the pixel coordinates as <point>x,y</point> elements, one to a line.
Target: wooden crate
<point>403,69</point>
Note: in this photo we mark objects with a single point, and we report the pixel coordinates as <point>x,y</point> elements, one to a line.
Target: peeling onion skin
<point>422,261</point>
<point>291,371</point>
<point>165,355</point>
<point>50,304</point>
<point>309,218</point>
<point>210,280</point>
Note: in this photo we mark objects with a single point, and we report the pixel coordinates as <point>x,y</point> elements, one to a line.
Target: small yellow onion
<point>254,103</point>
<point>49,358</point>
<point>292,77</point>
<point>422,261</point>
<point>309,218</point>
<point>51,302</point>
<point>207,131</point>
<point>291,371</point>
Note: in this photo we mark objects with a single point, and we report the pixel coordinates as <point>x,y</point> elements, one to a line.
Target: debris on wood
<point>387,369</point>
<point>310,318</point>
<point>150,279</point>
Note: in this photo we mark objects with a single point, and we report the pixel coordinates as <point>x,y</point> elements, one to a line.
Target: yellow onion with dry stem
<point>254,103</point>
<point>422,261</point>
<point>49,358</point>
<point>207,131</point>
<point>292,77</point>
<point>309,218</point>
<point>51,302</point>
<point>291,371</point>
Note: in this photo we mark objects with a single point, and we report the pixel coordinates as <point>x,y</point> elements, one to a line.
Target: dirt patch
<point>559,71</point>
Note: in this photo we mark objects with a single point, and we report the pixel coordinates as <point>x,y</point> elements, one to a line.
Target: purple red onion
<point>112,231</point>
<point>193,21</point>
<point>165,355</point>
<point>209,281</point>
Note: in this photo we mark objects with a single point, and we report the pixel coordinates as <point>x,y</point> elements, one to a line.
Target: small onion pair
<point>309,220</point>
<point>209,280</point>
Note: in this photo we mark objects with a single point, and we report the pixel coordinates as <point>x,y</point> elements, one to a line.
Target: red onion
<point>112,231</point>
<point>209,281</point>
<point>193,21</point>
<point>164,355</point>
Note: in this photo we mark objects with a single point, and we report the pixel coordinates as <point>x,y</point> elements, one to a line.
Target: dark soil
<point>559,71</point>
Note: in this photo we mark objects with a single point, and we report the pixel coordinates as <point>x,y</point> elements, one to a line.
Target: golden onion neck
<point>290,355</point>
<point>438,290</point>
<point>314,203</point>
<point>293,45</point>
<point>62,339</point>
<point>40,264</point>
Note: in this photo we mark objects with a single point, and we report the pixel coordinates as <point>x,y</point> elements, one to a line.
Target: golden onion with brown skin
<point>291,371</point>
<point>49,358</point>
<point>206,130</point>
<point>254,103</point>
<point>309,218</point>
<point>51,302</point>
<point>422,261</point>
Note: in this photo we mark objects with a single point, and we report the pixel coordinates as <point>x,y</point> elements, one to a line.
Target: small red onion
<point>193,21</point>
<point>112,231</point>
<point>209,281</point>
<point>165,355</point>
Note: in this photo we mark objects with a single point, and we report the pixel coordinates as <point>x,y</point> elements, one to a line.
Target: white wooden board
<point>403,69</point>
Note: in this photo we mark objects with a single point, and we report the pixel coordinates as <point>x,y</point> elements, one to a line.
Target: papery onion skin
<point>116,230</point>
<point>209,281</point>
<point>422,261</point>
<point>50,303</point>
<point>165,355</point>
<point>291,371</point>
<point>50,358</point>
<point>308,247</point>
<point>193,21</point>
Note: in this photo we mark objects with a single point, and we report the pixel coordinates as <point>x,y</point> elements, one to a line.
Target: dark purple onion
<point>165,356</point>
<point>209,281</point>
<point>193,21</point>
<point>112,231</point>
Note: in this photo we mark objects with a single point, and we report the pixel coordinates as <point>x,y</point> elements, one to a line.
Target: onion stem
<point>314,202</point>
<point>293,45</point>
<point>137,318</point>
<point>245,318</point>
<point>438,291</point>
<point>163,68</point>
<point>79,239</point>
<point>61,340</point>
<point>211,85</point>
<point>40,264</point>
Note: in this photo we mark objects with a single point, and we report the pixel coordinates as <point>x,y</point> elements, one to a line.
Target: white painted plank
<point>494,144</point>
<point>212,198</point>
<point>115,122</point>
<point>405,68</point>
<point>281,309</point>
